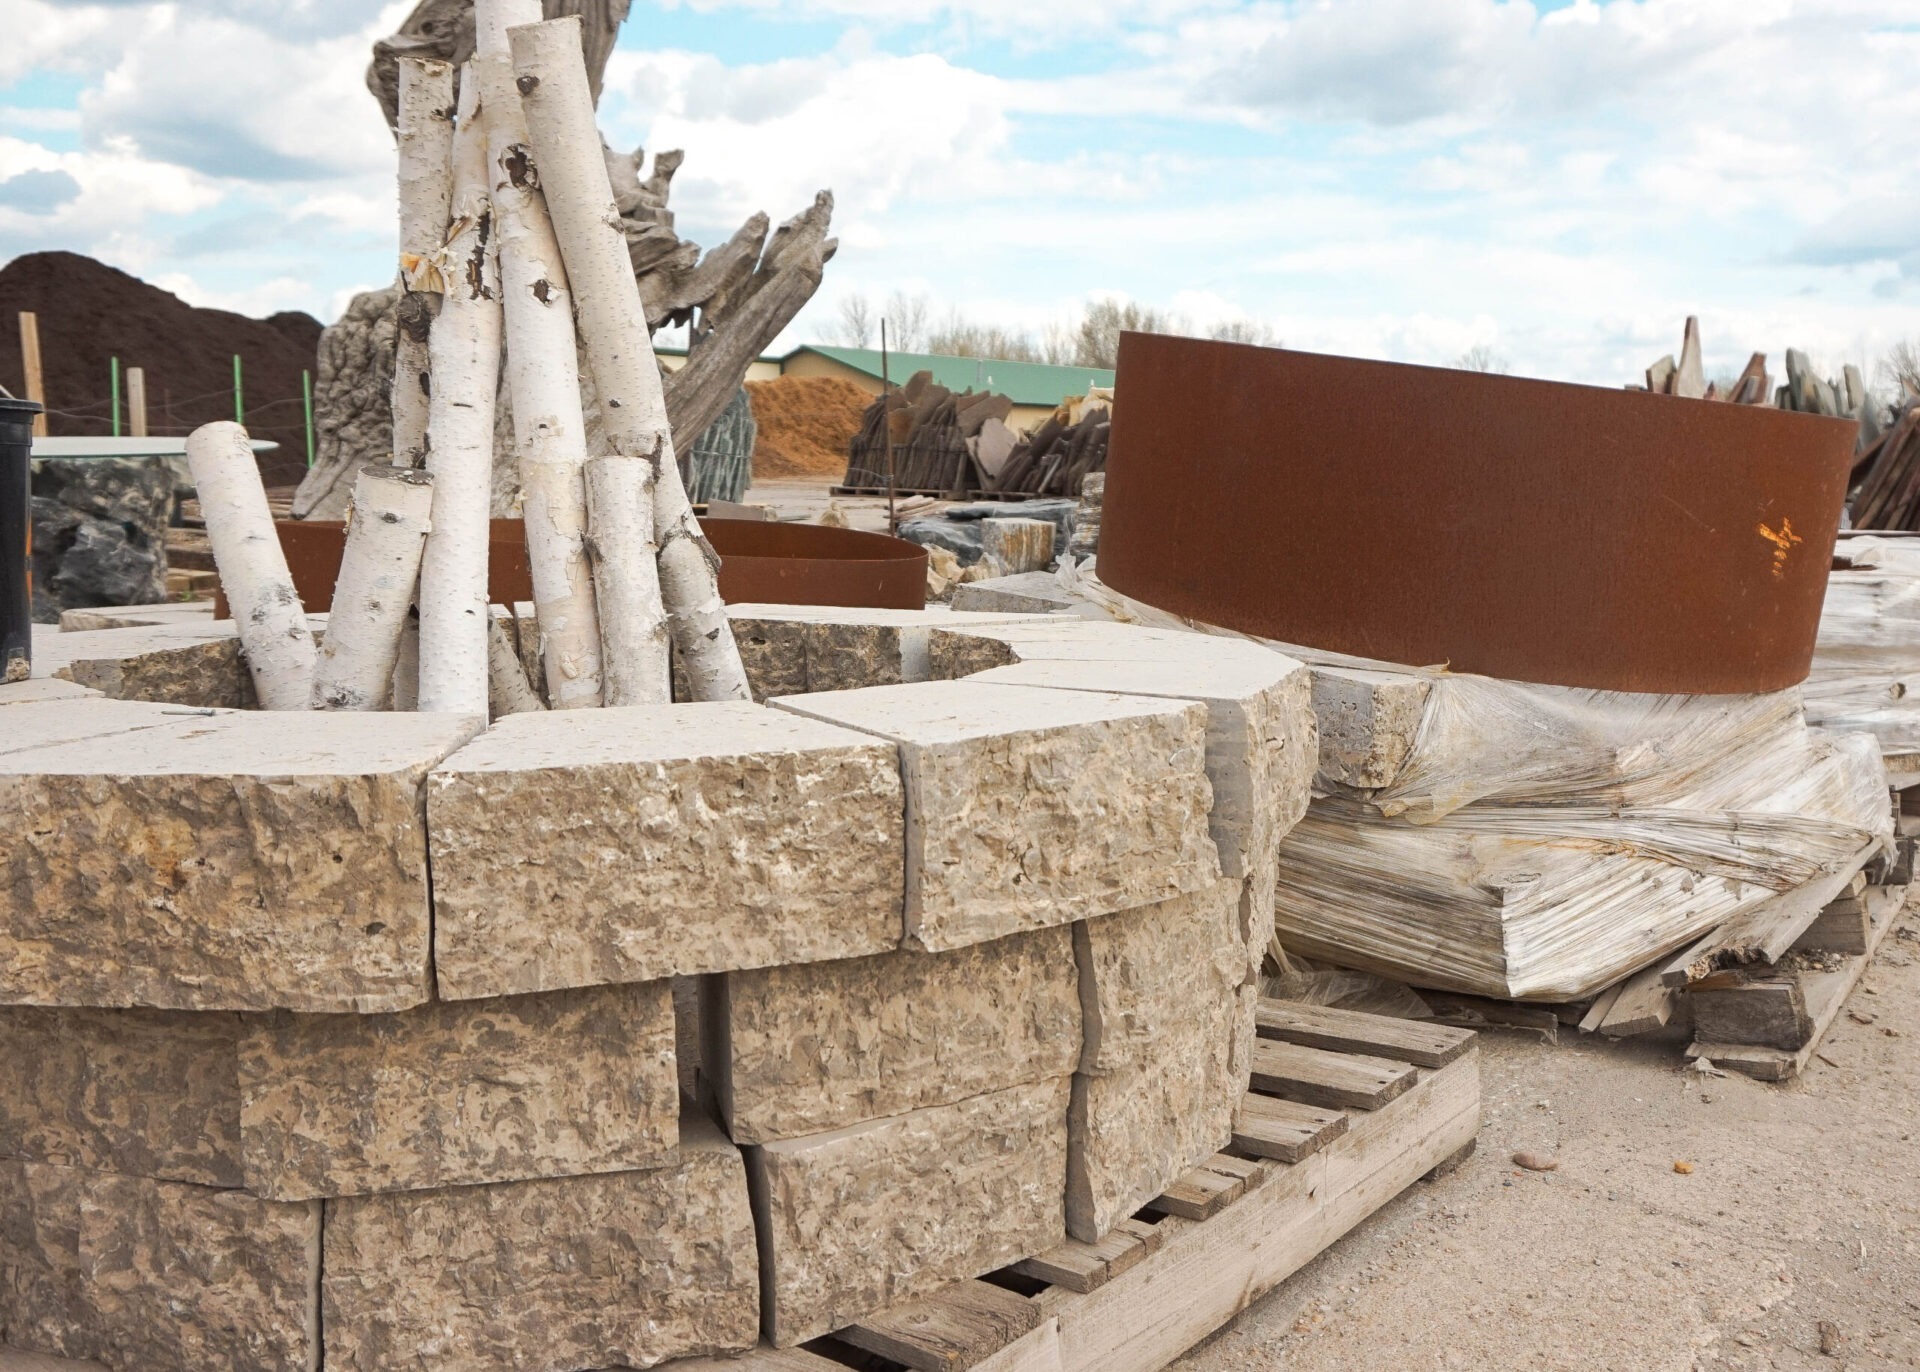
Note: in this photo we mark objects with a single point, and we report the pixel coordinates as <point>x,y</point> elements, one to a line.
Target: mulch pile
<point>805,424</point>
<point>90,312</point>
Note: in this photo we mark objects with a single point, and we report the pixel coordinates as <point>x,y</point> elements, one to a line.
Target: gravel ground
<point>1793,1243</point>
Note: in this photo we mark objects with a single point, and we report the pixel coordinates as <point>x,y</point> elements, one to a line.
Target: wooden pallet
<point>1347,1111</point>
<point>1823,993</point>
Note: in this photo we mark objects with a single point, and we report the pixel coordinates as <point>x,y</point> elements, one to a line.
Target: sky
<point>1559,182</point>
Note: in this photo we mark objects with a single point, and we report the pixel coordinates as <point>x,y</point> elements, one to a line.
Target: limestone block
<point>220,861</point>
<point>149,1093</point>
<point>952,655</point>
<point>1161,1070</point>
<point>843,648</point>
<point>1261,739</point>
<point>810,1049</point>
<point>186,664</point>
<point>156,1276</point>
<point>167,612</point>
<point>43,690</point>
<point>627,1269</point>
<point>774,653</point>
<point>1257,901</point>
<point>578,848</point>
<point>861,1218</point>
<point>54,720</point>
<point>183,1278</point>
<point>1368,723</point>
<point>1028,808</point>
<point>554,1085</point>
<point>1012,546</point>
<point>1031,593</point>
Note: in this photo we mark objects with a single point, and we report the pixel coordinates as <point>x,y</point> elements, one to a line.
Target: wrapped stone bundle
<point>1539,843</point>
<point>1866,659</point>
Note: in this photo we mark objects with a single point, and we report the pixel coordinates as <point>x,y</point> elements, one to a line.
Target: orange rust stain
<point>1783,539</point>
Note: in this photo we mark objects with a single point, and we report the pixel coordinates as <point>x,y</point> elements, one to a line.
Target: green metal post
<point>114,367</point>
<point>239,410</point>
<point>306,393</point>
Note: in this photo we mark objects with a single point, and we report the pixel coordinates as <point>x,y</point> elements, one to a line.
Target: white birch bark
<point>387,526</point>
<point>544,380</point>
<point>252,565</point>
<point>552,79</point>
<point>633,629</point>
<point>465,351</point>
<point>508,690</point>
<point>425,136</point>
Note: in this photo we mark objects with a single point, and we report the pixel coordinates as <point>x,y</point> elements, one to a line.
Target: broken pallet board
<point>1825,993</point>
<point>1764,933</point>
<point>1150,1290</point>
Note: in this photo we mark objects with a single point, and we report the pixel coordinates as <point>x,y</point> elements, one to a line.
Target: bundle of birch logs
<point>511,240</point>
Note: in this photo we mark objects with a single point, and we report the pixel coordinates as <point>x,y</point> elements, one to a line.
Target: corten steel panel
<point>1532,530</point>
<point>784,564</point>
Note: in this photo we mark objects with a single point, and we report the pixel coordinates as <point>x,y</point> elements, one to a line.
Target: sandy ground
<point>1794,1243</point>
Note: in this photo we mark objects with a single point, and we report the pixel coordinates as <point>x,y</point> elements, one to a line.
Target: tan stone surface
<point>814,1048</point>
<point>1368,723</point>
<point>196,664</point>
<point>1161,1070</point>
<point>553,1085</point>
<point>41,689</point>
<point>155,1276</point>
<point>626,1269</point>
<point>150,1093</point>
<point>845,648</point>
<point>224,861</point>
<point>1262,748</point>
<point>952,654</point>
<point>1030,807</point>
<point>578,848</point>
<point>862,1218</point>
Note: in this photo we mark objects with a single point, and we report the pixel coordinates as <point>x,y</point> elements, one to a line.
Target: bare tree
<point>1097,337</point>
<point>1899,370</point>
<point>1481,358</point>
<point>1244,331</point>
<point>906,318</point>
<point>855,326</point>
<point>959,336</point>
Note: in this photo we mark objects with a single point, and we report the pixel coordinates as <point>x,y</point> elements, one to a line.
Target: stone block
<point>579,848</point>
<point>555,1085</point>
<point>1163,1065</point>
<point>839,648</point>
<point>626,1269</point>
<point>1013,546</point>
<point>220,862</point>
<point>862,1218</point>
<point>1028,593</point>
<point>1262,746</point>
<point>191,664</point>
<point>166,612</point>
<point>156,1276</point>
<point>1028,808</point>
<point>805,1050</point>
<point>148,1093</point>
<point>1368,723</point>
<point>44,690</point>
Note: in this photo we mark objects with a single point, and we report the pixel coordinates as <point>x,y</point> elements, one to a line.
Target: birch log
<point>543,376</point>
<point>633,628</point>
<point>252,566</point>
<point>465,351</point>
<point>552,79</point>
<point>425,137</point>
<point>386,534</point>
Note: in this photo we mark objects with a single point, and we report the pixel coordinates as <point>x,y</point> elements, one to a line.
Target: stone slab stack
<point>965,968</point>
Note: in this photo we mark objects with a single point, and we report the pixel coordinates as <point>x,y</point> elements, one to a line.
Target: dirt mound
<point>805,424</point>
<point>90,312</point>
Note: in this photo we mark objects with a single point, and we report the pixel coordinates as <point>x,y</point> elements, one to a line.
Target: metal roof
<point>1024,383</point>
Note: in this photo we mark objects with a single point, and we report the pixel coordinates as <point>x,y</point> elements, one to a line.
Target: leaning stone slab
<point>156,1276</point>
<point>1262,746</point>
<point>1368,723</point>
<point>148,1093</point>
<point>584,847</point>
<point>1027,593</point>
<point>1028,807</point>
<point>1161,1069</point>
<point>804,1050</point>
<point>859,1219</point>
<point>184,664</point>
<point>626,1269</point>
<point>220,861</point>
<point>555,1085</point>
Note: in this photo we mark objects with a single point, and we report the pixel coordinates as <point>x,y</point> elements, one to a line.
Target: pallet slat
<point>1085,1267</point>
<point>1349,1031</point>
<point>1284,1130</point>
<point>1198,1193</point>
<point>1314,1076</point>
<point>953,1329</point>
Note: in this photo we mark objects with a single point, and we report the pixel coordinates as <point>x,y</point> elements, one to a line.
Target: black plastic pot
<point>16,539</point>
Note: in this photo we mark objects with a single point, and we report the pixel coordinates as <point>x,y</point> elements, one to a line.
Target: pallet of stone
<point>1222,1235</point>
<point>1769,1023</point>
